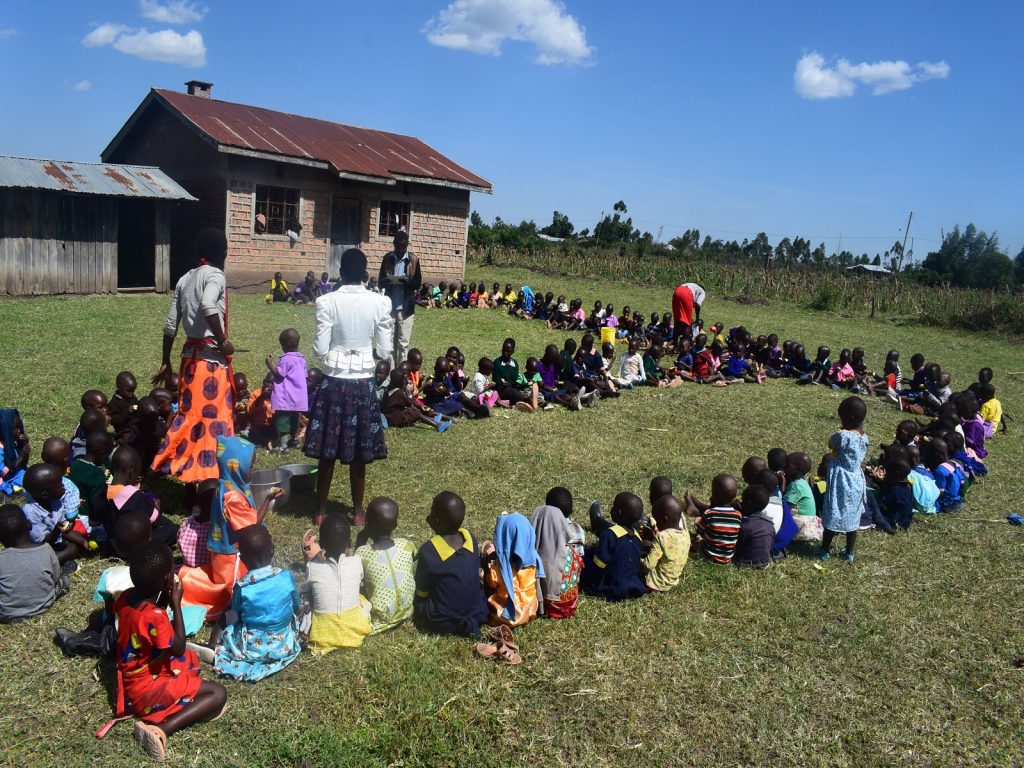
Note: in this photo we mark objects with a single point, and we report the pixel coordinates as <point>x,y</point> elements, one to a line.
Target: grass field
<point>907,657</point>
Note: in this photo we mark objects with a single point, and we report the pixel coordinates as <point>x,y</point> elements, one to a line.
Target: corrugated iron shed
<point>347,149</point>
<point>89,178</point>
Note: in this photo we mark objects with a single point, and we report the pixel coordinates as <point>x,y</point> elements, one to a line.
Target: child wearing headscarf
<point>511,568</point>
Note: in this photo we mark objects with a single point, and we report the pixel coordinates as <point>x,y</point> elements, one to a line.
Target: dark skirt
<point>344,422</point>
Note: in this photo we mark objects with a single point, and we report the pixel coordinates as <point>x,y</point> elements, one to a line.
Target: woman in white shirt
<point>344,416</point>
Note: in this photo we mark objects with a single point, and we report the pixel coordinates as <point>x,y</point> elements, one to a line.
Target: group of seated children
<point>86,495</point>
<point>307,291</point>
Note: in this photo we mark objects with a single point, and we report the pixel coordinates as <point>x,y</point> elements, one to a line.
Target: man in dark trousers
<point>400,279</point>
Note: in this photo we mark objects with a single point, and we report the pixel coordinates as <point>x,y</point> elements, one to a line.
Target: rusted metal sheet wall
<point>53,243</point>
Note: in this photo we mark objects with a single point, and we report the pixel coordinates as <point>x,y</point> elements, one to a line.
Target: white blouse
<point>350,323</point>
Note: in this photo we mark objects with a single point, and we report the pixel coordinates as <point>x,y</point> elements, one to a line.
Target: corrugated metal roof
<point>870,268</point>
<point>89,178</point>
<point>346,148</point>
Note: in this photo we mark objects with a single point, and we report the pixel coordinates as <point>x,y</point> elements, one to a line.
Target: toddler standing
<point>843,503</point>
<point>289,397</point>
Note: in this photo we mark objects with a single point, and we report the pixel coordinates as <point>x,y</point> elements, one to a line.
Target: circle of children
<point>84,495</point>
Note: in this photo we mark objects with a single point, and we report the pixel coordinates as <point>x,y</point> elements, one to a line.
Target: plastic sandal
<point>822,554</point>
<point>152,740</point>
<point>487,650</point>
<point>502,635</point>
<point>443,426</point>
<point>846,555</point>
<point>507,655</point>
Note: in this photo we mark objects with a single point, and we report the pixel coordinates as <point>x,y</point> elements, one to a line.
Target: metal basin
<point>262,480</point>
<point>303,476</point>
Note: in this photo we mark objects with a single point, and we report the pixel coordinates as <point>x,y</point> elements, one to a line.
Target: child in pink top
<point>289,397</point>
<point>841,374</point>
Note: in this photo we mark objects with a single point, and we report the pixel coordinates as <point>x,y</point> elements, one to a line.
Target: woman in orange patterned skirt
<point>189,452</point>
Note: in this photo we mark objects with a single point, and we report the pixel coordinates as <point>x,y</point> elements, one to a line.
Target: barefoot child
<point>843,504</point>
<point>289,398</point>
<point>158,679</point>
<point>449,593</point>
<point>389,567</point>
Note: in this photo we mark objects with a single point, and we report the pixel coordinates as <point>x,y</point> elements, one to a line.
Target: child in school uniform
<point>449,592</point>
<point>845,490</point>
<point>664,562</point>
<point>341,615</point>
<point>399,408</point>
<point>613,568</point>
<point>123,403</point>
<point>289,397</point>
<point>50,511</point>
<point>89,472</point>
<point>922,483</point>
<point>896,499</point>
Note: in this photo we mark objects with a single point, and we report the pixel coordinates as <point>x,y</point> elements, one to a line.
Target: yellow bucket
<point>607,335</point>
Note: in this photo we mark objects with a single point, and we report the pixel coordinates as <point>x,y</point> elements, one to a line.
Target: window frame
<point>380,217</point>
<point>255,210</point>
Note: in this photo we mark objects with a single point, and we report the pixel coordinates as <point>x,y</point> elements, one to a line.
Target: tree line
<point>968,258</point>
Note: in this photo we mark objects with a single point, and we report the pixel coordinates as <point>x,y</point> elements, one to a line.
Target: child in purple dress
<point>289,397</point>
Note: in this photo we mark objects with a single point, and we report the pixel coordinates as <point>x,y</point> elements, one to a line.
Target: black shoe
<point>78,643</point>
<point>596,519</point>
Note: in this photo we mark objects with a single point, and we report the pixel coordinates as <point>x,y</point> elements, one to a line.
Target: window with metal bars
<point>277,210</point>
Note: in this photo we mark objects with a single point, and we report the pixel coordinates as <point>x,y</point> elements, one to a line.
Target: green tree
<point>560,226</point>
<point>969,259</point>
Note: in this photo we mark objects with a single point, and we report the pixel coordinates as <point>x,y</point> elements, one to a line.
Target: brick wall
<point>255,258</point>
<point>437,236</point>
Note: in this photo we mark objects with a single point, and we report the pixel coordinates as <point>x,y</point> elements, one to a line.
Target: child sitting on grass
<point>158,678</point>
<point>240,413</point>
<point>562,564</point>
<point>92,400</point>
<point>146,429</point>
<point>948,477</point>
<point>718,521</point>
<point>510,383</point>
<point>124,496</point>
<point>50,513</point>
<point>843,504</point>
<point>926,492</point>
<point>481,387</point>
<point>55,453</point>
<point>262,429</point>
<point>631,367</point>
<point>341,615</point>
<point>278,290</point>
<point>841,374</point>
<point>401,410</point>
<point>123,402</point>
<point>259,635</point>
<point>30,574</point>
<point>389,567</point>
<point>613,568</point>
<point>512,567</point>
<point>89,472</point>
<point>896,499</point>
<point>670,545</point>
<point>817,370</point>
<point>756,536</point>
<point>449,593</point>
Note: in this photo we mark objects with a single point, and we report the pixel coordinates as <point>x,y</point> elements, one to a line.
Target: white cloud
<point>815,79</point>
<point>104,34</point>
<point>8,32</point>
<point>164,45</point>
<point>81,86</point>
<point>173,12</point>
<point>481,26</point>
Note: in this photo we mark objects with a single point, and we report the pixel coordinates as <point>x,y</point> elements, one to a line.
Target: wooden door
<point>346,229</point>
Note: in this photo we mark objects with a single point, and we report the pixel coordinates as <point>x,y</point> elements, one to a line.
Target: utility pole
<point>906,232</point>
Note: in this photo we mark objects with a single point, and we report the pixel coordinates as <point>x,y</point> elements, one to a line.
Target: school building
<point>292,192</point>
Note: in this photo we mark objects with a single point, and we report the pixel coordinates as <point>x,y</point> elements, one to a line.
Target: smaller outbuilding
<point>70,227</point>
<point>873,270</point>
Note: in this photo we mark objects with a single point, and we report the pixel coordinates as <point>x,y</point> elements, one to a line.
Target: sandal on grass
<point>502,635</point>
<point>204,652</point>
<point>152,740</point>
<point>499,652</point>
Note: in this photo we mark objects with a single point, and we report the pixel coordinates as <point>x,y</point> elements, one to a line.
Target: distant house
<point>874,270</point>
<point>293,193</point>
<point>70,227</point>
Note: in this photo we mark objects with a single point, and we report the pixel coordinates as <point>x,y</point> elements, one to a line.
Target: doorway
<point>136,245</point>
<point>346,229</point>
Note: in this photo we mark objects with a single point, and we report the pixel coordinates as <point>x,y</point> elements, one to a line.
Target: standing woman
<point>344,415</point>
<point>206,402</point>
<point>686,303</point>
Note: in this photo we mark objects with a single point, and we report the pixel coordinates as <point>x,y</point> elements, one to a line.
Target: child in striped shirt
<point>718,522</point>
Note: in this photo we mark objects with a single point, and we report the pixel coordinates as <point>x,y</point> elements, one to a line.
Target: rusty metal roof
<point>89,178</point>
<point>345,148</point>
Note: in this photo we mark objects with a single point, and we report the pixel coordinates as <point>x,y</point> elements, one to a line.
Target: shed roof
<point>349,151</point>
<point>878,269</point>
<point>89,178</point>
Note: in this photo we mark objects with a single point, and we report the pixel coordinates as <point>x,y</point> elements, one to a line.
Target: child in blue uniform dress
<point>449,592</point>
<point>612,569</point>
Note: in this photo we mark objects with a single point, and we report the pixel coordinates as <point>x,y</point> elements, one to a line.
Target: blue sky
<point>691,113</point>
